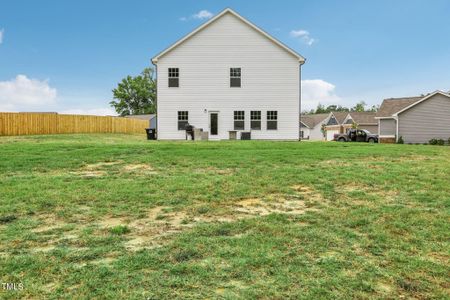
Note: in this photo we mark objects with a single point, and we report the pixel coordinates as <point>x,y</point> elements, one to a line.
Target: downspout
<point>396,130</point>
<point>156,77</point>
<point>300,99</point>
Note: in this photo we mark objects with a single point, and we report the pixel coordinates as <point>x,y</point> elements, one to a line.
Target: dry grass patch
<point>86,173</point>
<point>48,222</point>
<point>214,170</point>
<point>101,165</point>
<point>334,163</point>
<point>139,168</point>
<point>160,223</point>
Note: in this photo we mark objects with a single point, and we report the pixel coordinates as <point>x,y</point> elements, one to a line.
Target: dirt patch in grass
<point>111,221</point>
<point>156,227</point>
<point>48,222</point>
<point>139,169</point>
<point>87,173</point>
<point>214,170</point>
<point>160,223</point>
<point>101,169</point>
<point>307,193</point>
<point>101,165</point>
<point>258,207</point>
<point>373,190</point>
<point>334,163</point>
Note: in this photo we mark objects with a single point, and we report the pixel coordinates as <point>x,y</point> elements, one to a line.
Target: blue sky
<point>66,56</point>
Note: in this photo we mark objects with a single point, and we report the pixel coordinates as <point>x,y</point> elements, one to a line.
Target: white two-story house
<point>229,75</point>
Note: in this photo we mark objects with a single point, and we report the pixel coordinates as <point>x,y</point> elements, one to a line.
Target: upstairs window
<point>272,120</point>
<point>332,121</point>
<point>183,117</point>
<point>255,120</point>
<point>239,120</point>
<point>235,77</point>
<point>174,77</point>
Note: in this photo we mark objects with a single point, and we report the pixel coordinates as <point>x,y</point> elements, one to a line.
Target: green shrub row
<point>439,142</point>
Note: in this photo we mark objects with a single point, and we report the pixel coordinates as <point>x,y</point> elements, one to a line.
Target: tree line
<point>359,107</point>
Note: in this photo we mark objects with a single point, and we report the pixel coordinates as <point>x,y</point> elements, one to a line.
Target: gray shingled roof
<point>393,105</point>
<point>312,120</point>
<point>363,117</point>
<point>340,116</point>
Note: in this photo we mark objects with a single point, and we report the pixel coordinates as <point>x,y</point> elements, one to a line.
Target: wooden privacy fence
<point>52,123</point>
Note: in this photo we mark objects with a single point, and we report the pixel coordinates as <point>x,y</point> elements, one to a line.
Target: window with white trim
<point>174,77</point>
<point>239,120</point>
<point>255,120</point>
<point>183,118</point>
<point>272,120</point>
<point>235,77</point>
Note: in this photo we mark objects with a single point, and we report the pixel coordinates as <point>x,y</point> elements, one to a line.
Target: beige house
<point>415,119</point>
<point>335,124</point>
<point>364,120</point>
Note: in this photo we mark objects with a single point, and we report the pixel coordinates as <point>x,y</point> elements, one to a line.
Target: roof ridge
<point>241,18</point>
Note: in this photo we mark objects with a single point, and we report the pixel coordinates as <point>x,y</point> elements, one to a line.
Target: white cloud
<point>303,35</point>
<point>25,94</point>
<point>201,15</point>
<point>315,91</point>
<point>102,111</point>
<point>2,31</point>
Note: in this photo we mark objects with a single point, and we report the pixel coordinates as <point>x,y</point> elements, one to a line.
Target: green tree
<point>359,107</point>
<point>136,95</point>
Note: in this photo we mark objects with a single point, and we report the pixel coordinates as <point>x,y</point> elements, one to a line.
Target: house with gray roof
<point>415,119</point>
<point>311,126</point>
<point>364,120</point>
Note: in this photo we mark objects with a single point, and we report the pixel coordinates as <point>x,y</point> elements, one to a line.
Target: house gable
<point>422,100</point>
<point>244,21</point>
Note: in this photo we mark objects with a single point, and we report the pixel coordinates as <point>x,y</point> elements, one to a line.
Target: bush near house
<point>439,142</point>
<point>115,216</point>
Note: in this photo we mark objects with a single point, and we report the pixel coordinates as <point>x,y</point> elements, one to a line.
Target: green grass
<point>116,216</point>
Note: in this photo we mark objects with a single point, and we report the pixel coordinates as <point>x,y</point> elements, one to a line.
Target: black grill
<point>245,135</point>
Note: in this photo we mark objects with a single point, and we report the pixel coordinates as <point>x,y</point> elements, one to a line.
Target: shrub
<point>448,141</point>
<point>400,140</point>
<point>439,142</point>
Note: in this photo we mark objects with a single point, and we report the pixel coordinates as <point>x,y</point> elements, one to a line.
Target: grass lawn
<point>116,216</point>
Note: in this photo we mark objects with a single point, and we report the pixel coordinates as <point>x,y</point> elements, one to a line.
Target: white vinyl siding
<point>270,81</point>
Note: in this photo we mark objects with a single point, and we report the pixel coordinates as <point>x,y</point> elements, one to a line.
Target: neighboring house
<point>334,124</point>
<point>311,126</point>
<point>364,120</point>
<point>150,117</point>
<point>229,75</point>
<point>415,119</point>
